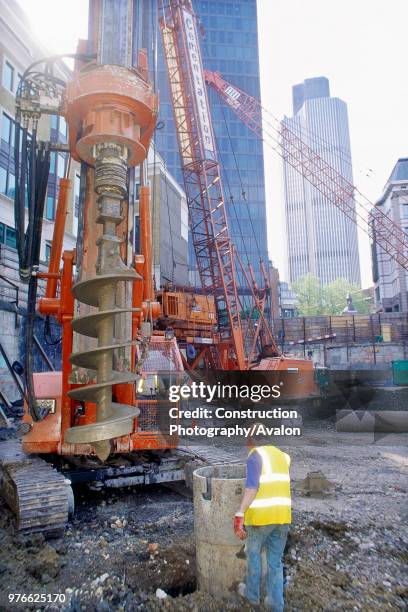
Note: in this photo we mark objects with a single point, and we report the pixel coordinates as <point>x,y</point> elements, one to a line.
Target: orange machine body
<point>302,382</point>
<point>109,102</point>
<point>191,315</point>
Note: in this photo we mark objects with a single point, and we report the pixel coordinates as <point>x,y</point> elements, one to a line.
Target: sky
<point>359,45</point>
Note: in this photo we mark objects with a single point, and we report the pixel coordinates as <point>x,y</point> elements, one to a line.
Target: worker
<point>264,517</point>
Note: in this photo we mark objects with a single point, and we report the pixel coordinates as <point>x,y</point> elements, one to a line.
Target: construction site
<point>148,373</point>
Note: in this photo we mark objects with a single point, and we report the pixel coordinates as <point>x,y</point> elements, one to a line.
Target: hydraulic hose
<point>32,178</point>
<point>18,209</point>
<point>39,169</point>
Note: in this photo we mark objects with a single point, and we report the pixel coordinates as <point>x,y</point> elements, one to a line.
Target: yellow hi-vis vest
<point>272,504</point>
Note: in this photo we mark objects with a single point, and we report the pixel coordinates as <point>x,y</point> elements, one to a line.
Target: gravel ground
<point>347,550</point>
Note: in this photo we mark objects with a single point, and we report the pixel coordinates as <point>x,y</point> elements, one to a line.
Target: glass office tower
<point>230,46</point>
<point>321,240</point>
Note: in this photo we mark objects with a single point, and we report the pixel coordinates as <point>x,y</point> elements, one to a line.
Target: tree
<point>335,297</point>
<point>310,295</point>
<point>315,299</point>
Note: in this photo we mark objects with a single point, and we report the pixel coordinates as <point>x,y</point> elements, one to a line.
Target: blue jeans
<point>272,538</point>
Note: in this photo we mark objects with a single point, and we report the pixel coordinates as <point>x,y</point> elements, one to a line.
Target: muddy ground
<point>347,550</point>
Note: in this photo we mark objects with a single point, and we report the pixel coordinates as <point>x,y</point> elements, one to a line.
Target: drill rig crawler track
<point>40,497</point>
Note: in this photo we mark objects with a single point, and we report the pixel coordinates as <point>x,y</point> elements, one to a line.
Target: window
<point>50,208</point>
<point>11,185</point>
<point>54,122</point>
<point>8,76</point>
<point>137,234</point>
<point>47,253</point>
<point>184,220</point>
<point>62,128</point>
<point>11,237</point>
<point>3,180</point>
<point>53,162</point>
<point>6,129</point>
<point>405,211</point>
<point>8,236</point>
<point>61,166</point>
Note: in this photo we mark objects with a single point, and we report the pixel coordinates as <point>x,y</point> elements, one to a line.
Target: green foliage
<point>315,299</point>
<point>310,296</point>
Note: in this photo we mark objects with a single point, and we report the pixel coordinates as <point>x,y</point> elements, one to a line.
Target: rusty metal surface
<point>87,325</point>
<point>106,104</point>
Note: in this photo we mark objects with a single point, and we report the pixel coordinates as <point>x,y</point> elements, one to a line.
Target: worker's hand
<point>239,528</point>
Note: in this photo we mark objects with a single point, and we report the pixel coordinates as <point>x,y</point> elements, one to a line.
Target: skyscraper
<point>230,46</point>
<point>320,239</point>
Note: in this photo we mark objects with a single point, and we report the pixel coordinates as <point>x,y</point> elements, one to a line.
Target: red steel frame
<point>326,179</point>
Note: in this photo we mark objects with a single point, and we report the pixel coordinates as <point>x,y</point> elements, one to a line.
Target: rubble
<point>345,551</point>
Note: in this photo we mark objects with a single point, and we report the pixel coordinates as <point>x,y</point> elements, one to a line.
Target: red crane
<point>326,179</point>
<point>215,253</point>
<point>201,172</point>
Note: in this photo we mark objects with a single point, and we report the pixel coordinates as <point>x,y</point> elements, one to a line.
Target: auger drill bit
<point>113,419</point>
<point>111,111</point>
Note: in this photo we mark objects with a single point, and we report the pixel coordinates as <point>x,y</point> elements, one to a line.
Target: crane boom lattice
<point>201,171</point>
<point>314,168</point>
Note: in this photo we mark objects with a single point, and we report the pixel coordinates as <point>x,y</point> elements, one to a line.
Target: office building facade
<point>230,46</point>
<point>19,49</point>
<point>391,279</point>
<point>320,239</point>
<point>169,217</point>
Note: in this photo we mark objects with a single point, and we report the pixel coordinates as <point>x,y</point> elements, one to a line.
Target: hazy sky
<point>360,45</point>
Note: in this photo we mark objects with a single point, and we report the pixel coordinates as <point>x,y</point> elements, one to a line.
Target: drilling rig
<point>90,422</point>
